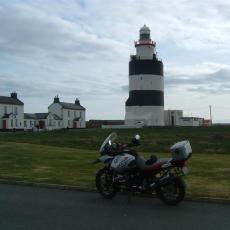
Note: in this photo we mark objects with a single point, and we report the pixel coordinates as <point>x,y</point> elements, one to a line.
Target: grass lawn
<point>203,139</point>
<point>209,173</point>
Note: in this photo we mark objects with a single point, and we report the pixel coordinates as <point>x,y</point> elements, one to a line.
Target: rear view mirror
<point>136,140</point>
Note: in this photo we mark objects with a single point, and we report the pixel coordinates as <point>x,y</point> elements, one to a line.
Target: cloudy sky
<point>81,48</point>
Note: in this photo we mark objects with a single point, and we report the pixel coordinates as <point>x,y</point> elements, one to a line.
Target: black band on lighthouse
<point>145,67</point>
<point>145,98</point>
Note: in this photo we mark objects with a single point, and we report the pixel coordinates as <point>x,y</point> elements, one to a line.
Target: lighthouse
<point>146,84</point>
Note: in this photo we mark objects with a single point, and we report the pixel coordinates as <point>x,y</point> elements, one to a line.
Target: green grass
<point>209,173</point>
<point>203,139</point>
<point>38,163</point>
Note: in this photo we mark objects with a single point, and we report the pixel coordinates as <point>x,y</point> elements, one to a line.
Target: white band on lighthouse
<point>146,82</point>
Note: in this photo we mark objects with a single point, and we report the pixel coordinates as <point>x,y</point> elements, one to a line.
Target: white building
<point>29,121</point>
<point>146,84</point>
<point>48,121</point>
<point>11,113</point>
<point>60,115</point>
<point>72,114</point>
<point>192,121</point>
<point>173,117</point>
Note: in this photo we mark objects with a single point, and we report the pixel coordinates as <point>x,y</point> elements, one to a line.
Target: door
<point>74,124</point>
<point>41,124</point>
<point>172,121</point>
<point>4,124</point>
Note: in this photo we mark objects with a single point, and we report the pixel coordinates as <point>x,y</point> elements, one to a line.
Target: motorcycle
<point>126,170</point>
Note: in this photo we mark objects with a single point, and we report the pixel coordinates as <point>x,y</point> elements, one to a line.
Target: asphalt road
<point>32,208</point>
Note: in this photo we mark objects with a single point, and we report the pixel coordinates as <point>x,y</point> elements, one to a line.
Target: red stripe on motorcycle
<point>153,167</point>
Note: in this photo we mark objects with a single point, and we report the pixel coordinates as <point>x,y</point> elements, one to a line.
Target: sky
<point>81,48</point>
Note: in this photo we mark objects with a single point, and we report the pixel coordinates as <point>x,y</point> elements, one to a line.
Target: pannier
<point>181,150</point>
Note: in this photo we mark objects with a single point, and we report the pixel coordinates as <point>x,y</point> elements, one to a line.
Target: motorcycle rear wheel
<point>171,191</point>
<point>104,184</point>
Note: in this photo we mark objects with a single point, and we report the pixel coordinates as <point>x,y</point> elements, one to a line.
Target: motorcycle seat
<point>151,164</point>
<point>151,160</point>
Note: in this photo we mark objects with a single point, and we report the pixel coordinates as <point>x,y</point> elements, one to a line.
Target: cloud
<point>188,24</point>
<point>217,82</point>
<point>87,31</point>
<point>28,32</point>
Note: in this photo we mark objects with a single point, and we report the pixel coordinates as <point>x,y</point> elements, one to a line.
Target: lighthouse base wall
<point>149,115</point>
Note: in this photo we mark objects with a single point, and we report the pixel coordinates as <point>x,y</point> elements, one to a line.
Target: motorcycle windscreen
<point>111,138</point>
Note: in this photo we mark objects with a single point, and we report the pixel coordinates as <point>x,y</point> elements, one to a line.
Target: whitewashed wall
<point>150,115</point>
<point>29,124</point>
<point>15,121</point>
<point>177,114</point>
<point>191,121</point>
<point>69,115</point>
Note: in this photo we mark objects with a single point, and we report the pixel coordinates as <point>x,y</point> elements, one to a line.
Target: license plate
<point>185,170</point>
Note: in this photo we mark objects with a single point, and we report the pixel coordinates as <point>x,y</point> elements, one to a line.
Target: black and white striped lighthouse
<point>146,84</point>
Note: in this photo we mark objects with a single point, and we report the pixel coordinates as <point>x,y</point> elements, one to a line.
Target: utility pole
<point>210,111</point>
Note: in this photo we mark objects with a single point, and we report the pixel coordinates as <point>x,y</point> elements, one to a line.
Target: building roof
<point>10,101</point>
<point>73,106</point>
<point>6,115</point>
<point>41,115</point>
<point>29,116</point>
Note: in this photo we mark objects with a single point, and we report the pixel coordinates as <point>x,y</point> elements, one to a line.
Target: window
<point>11,123</point>
<point>68,113</point>
<point>75,114</point>
<point>144,36</point>
<point>25,124</point>
<point>185,119</point>
<point>31,123</point>
<point>16,111</point>
<point>80,114</point>
<point>5,109</point>
<point>59,123</point>
<point>68,122</point>
<point>16,122</point>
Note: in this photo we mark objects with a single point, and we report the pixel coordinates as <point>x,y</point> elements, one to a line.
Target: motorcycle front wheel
<point>171,191</point>
<point>104,184</point>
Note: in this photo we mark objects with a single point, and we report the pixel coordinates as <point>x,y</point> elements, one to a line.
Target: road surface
<point>33,208</point>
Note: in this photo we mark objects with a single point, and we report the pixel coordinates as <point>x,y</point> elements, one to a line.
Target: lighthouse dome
<point>144,33</point>
<point>144,30</point>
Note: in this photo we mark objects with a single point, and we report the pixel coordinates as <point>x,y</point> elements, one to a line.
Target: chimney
<point>14,95</point>
<point>77,102</point>
<point>56,99</point>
